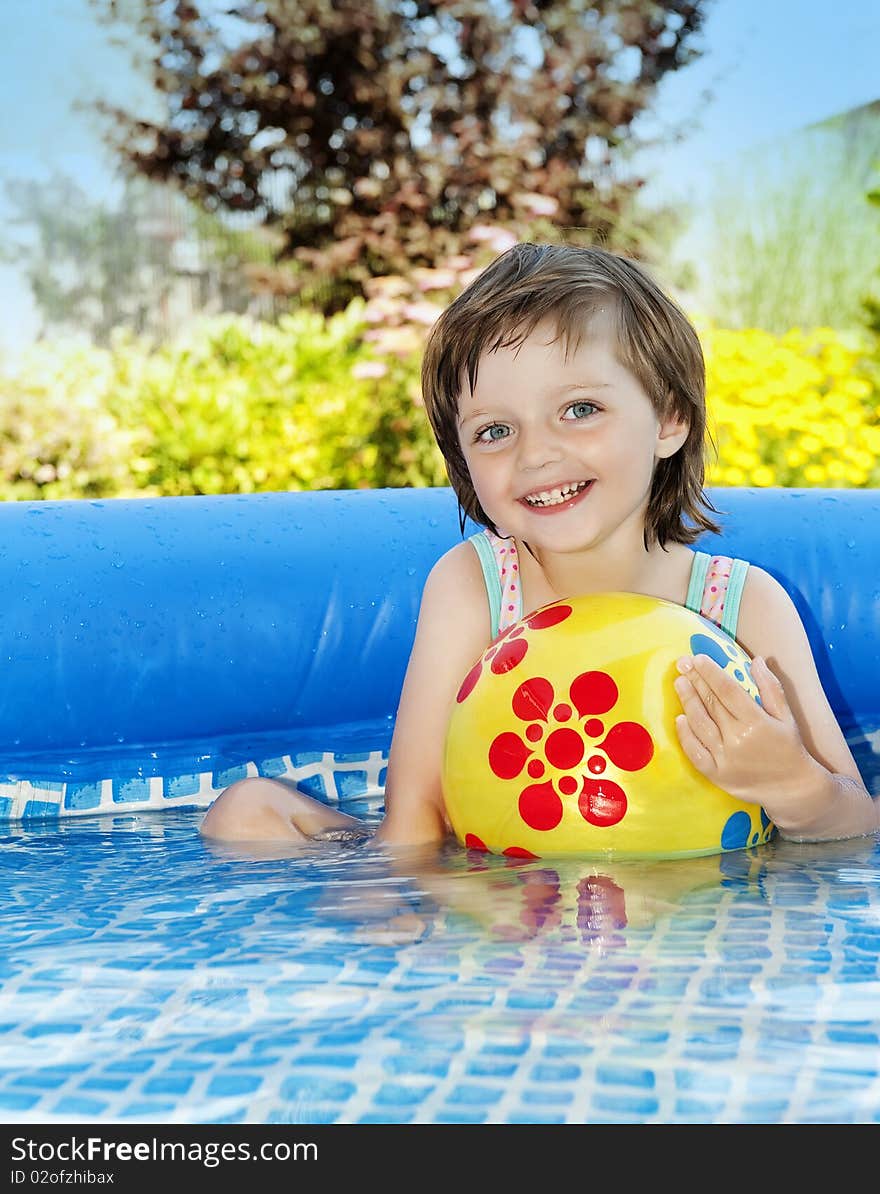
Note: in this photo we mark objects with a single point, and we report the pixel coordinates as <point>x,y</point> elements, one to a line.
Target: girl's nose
<point>537,450</point>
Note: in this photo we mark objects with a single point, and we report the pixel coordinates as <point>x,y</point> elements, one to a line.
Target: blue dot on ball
<point>702,644</point>
<point>722,653</point>
<point>736,832</point>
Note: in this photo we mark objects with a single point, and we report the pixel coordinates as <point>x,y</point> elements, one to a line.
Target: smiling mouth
<point>555,497</point>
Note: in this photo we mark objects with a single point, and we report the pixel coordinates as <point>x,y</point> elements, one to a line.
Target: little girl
<point>567,394</point>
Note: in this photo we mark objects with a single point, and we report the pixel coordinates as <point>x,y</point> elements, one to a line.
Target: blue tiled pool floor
<point>149,976</point>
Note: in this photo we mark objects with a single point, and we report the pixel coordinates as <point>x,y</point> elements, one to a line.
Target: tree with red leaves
<point>374,135</point>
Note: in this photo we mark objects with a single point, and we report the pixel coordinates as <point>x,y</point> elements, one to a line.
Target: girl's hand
<point>752,751</point>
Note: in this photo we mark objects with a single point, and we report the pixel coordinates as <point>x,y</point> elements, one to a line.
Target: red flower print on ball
<point>562,757</point>
<point>509,649</point>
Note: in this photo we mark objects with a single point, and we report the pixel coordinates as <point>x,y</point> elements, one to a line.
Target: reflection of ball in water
<point>563,741</point>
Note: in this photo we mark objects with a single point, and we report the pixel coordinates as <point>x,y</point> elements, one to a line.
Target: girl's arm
<point>789,754</point>
<point>452,631</point>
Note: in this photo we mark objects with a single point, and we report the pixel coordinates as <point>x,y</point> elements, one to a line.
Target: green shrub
<point>233,406</point>
<point>58,435</point>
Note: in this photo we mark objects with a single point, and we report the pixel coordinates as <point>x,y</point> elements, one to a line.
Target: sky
<point>769,67</point>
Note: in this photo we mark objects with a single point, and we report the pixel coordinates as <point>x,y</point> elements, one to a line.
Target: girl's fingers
<point>719,691</point>
<point>702,726</point>
<point>692,747</point>
<point>773,697</point>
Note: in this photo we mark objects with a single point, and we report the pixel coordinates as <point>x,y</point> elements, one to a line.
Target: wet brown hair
<point>654,340</point>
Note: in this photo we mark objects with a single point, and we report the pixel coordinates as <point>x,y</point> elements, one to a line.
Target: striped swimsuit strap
<point>499,560</point>
<point>716,589</point>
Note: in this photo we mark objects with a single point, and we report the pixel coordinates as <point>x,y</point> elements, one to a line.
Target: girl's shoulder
<point>459,565</point>
<point>454,595</point>
<point>769,622</point>
<point>763,588</point>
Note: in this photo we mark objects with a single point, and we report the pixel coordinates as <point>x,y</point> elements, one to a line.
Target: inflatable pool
<point>155,650</point>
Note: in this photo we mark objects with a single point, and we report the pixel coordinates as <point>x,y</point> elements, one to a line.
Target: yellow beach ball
<point>562,739</point>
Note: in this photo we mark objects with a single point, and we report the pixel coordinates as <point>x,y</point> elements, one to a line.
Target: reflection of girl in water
<point>593,903</point>
<point>458,898</point>
<point>571,902</point>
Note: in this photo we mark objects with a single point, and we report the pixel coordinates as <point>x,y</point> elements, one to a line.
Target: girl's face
<point>561,452</point>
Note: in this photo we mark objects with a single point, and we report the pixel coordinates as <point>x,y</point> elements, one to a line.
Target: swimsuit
<point>715,588</point>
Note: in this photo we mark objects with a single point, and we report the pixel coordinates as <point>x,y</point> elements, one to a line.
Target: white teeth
<point>555,497</point>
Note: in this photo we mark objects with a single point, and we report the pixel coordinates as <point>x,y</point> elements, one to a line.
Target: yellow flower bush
<point>236,406</point>
<point>798,410</point>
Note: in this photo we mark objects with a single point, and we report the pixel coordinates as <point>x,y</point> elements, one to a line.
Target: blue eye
<point>492,433</point>
<point>581,410</point>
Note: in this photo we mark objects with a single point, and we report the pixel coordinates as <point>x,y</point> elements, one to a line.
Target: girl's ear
<point>672,432</point>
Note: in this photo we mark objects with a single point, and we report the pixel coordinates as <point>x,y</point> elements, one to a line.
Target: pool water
<point>151,976</point>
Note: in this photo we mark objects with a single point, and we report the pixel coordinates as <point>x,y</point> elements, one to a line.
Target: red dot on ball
<point>536,768</point>
<point>568,785</point>
<point>534,733</point>
<point>594,728</point>
<point>562,712</point>
<point>596,764</point>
